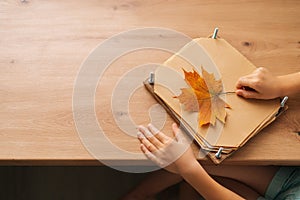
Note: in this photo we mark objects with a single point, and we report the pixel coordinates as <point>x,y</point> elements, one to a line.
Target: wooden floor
<point>87,183</point>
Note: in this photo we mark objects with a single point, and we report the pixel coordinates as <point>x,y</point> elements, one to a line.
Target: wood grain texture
<point>43,43</point>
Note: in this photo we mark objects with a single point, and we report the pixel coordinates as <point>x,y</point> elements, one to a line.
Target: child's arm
<point>177,156</point>
<point>205,185</point>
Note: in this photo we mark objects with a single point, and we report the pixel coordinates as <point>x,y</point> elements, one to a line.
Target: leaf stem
<point>226,93</point>
<point>216,95</point>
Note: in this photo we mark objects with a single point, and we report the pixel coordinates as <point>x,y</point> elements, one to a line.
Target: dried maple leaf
<point>203,96</point>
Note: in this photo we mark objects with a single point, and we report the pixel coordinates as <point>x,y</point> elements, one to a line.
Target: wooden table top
<point>44,43</point>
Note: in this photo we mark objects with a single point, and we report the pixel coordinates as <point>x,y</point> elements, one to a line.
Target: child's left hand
<point>175,154</point>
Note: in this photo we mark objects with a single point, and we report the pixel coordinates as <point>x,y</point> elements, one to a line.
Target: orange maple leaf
<point>203,96</point>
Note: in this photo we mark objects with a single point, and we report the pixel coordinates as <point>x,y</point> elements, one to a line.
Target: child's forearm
<point>205,185</point>
<point>289,84</point>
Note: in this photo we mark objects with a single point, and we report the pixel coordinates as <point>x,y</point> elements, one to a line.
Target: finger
<point>242,82</point>
<point>180,136</point>
<point>159,135</point>
<point>149,155</point>
<point>148,134</point>
<point>140,135</point>
<point>247,94</point>
<point>147,144</point>
<point>178,133</point>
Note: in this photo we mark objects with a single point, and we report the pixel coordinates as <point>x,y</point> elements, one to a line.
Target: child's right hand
<point>260,84</point>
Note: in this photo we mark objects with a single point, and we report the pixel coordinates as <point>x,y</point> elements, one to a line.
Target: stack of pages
<point>245,117</point>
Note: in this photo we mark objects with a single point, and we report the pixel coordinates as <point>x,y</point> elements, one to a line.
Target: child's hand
<point>175,154</point>
<point>261,84</point>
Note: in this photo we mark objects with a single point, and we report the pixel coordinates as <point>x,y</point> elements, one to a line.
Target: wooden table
<point>43,44</point>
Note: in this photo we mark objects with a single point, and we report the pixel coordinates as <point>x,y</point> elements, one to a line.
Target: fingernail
<point>153,128</point>
<point>139,126</point>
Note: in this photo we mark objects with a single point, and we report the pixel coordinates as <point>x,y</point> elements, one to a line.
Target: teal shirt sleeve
<point>285,185</point>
